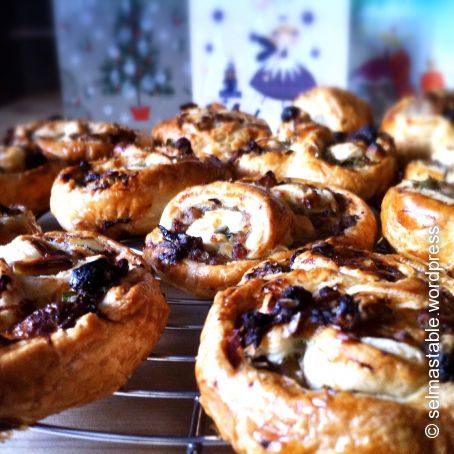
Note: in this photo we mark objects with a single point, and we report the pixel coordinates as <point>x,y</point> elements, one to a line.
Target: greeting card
<point>123,60</point>
<point>260,54</point>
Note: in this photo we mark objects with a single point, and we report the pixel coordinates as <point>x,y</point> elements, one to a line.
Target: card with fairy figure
<point>262,54</point>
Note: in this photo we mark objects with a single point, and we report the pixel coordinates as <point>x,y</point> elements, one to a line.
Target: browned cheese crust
<point>212,130</point>
<point>125,195</point>
<point>78,313</point>
<point>328,356</point>
<point>210,235</point>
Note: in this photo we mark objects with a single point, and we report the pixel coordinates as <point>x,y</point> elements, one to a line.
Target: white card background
<point>310,45</point>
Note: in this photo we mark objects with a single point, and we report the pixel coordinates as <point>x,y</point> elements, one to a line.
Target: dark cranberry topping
<point>290,113</point>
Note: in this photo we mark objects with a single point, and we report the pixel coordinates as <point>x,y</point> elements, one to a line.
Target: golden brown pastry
<point>210,235</point>
<point>362,162</point>
<point>422,127</point>
<point>339,110</point>
<point>78,140</point>
<point>16,220</point>
<point>78,312</point>
<point>421,170</point>
<point>125,195</point>
<point>212,130</point>
<point>330,357</point>
<point>418,220</point>
<point>26,176</point>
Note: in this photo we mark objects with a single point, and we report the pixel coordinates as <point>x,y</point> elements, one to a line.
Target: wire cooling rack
<point>159,406</point>
<point>171,363</point>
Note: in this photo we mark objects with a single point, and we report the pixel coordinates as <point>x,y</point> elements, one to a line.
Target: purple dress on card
<point>280,77</point>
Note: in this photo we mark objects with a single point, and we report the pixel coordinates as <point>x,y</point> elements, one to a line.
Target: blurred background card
<point>264,53</point>
<point>400,48</point>
<point>137,61</point>
<point>123,60</point>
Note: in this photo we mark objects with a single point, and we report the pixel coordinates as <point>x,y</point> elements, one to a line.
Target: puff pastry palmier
<point>210,235</point>
<point>421,170</point>
<point>125,195</point>
<point>422,127</point>
<point>78,312</point>
<point>418,220</point>
<point>362,162</point>
<point>78,140</point>
<point>26,176</point>
<point>339,110</point>
<point>212,130</point>
<point>328,358</point>
<point>16,220</point>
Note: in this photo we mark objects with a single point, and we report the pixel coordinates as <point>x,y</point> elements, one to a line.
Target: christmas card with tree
<point>262,53</point>
<point>123,60</point>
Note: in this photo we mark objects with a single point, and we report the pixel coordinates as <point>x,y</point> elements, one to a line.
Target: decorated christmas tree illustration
<point>133,60</point>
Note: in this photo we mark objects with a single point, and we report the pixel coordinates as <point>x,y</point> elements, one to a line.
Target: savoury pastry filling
<point>354,258</point>
<point>47,285</point>
<point>128,159</point>
<point>430,187</point>
<point>83,131</point>
<point>210,233</point>
<point>260,147</point>
<point>211,117</point>
<point>320,212</point>
<point>333,337</point>
<point>341,256</point>
<point>358,149</point>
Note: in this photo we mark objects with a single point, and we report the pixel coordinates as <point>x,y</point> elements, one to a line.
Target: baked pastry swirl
<point>78,312</point>
<point>125,195</point>
<point>362,162</point>
<point>329,357</point>
<point>422,127</point>
<point>210,235</point>
<point>421,170</point>
<point>16,220</point>
<point>212,130</point>
<point>339,110</point>
<point>26,176</point>
<point>414,212</point>
<point>82,140</point>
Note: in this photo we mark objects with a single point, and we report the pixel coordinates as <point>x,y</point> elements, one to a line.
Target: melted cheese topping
<point>399,349</point>
<point>213,226</point>
<point>436,194</point>
<point>344,151</point>
<point>377,366</point>
<point>19,249</point>
<point>64,129</point>
<point>40,289</point>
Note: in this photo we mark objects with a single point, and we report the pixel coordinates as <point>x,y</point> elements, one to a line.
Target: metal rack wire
<point>197,436</point>
<point>187,316</point>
